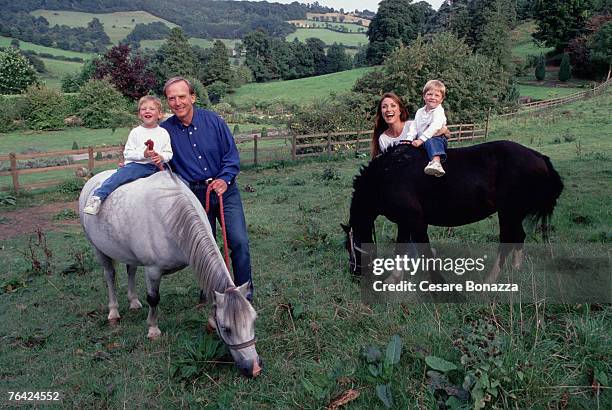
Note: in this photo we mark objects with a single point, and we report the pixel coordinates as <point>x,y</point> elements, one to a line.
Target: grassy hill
<point>523,42</point>
<point>24,45</point>
<point>329,37</point>
<point>350,27</point>
<point>297,91</point>
<point>117,25</point>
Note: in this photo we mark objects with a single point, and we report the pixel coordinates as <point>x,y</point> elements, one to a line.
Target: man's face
<point>181,101</point>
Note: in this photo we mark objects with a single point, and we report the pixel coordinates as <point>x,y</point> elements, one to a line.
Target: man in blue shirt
<point>205,154</point>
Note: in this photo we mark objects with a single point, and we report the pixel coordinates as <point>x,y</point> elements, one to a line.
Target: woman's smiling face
<point>390,110</point>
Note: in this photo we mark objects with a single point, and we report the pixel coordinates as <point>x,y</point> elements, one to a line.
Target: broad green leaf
<point>440,364</point>
<point>383,391</point>
<point>374,369</point>
<point>394,350</point>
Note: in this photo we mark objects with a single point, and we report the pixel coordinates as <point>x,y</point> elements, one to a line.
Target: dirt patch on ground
<point>26,221</point>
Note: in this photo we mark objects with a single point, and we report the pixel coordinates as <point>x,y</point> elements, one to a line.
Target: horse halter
<point>353,249</point>
<point>236,346</point>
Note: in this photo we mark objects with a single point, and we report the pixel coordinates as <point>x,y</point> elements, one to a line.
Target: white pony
<point>158,223</point>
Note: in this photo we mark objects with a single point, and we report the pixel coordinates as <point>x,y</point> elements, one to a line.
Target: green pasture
<point>523,44</point>
<point>329,37</point>
<point>117,25</point>
<point>24,45</point>
<point>230,43</point>
<point>297,91</point>
<point>312,327</point>
<point>351,27</point>
<point>57,69</point>
<point>540,92</point>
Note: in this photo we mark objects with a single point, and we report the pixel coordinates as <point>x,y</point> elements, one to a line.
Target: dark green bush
<point>45,108</point>
<point>9,114</point>
<point>100,105</point>
<point>565,70</point>
<point>540,70</point>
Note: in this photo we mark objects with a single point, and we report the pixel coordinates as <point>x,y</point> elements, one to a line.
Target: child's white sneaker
<point>92,207</point>
<point>434,168</point>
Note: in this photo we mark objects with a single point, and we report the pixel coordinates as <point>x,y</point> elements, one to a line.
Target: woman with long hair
<point>391,124</point>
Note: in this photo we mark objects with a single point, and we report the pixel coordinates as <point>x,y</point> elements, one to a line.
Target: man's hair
<point>153,99</point>
<point>176,80</point>
<point>435,85</point>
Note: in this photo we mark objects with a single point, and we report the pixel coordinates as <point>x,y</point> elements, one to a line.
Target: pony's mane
<point>195,237</point>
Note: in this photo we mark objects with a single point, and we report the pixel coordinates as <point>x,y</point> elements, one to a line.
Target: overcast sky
<point>349,5</point>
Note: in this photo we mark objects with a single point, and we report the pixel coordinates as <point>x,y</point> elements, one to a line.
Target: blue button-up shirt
<point>204,149</point>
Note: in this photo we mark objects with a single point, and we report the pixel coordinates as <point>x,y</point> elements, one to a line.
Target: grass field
<point>297,91</point>
<point>230,43</point>
<point>24,45</point>
<point>329,37</point>
<point>523,44</point>
<point>117,25</point>
<point>543,93</point>
<point>312,325</point>
<point>56,69</point>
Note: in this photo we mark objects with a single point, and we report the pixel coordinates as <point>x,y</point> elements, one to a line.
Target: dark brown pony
<point>500,176</point>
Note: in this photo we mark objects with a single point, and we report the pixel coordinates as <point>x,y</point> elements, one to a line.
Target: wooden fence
<point>553,102</point>
<point>254,149</point>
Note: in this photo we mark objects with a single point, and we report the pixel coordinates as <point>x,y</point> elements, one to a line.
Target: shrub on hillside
<point>100,105</point>
<point>216,91</point>
<point>45,108</point>
<point>565,70</point>
<point>200,91</point>
<point>343,112</point>
<point>474,82</point>
<point>9,114</point>
<point>16,72</point>
<point>540,70</point>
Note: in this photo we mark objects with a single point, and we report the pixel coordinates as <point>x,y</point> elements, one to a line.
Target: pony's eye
<point>226,329</point>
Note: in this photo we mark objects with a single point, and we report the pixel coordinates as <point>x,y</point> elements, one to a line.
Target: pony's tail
<point>549,192</point>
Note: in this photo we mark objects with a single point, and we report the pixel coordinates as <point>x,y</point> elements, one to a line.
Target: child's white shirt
<point>135,145</point>
<point>427,123</point>
<point>386,141</point>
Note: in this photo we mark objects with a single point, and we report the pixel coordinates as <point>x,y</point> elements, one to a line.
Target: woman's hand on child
<point>417,143</point>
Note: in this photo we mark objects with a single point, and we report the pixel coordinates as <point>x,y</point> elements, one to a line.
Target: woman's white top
<point>386,141</point>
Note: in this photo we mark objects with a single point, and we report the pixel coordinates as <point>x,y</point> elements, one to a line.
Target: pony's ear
<point>345,228</point>
<point>219,298</point>
<point>244,289</point>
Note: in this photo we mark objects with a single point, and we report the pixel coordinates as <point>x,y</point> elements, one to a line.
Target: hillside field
<point>24,45</point>
<point>523,44</point>
<point>316,336</point>
<point>117,25</point>
<point>329,37</point>
<point>297,91</point>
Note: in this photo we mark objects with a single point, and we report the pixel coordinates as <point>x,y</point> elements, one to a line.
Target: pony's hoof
<point>113,322</point>
<point>154,333</point>
<point>135,304</point>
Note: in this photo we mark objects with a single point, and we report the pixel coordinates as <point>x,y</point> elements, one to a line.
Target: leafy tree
<point>45,108</point>
<point>72,82</point>
<point>16,73</point>
<point>560,21</point>
<point>218,67</point>
<point>493,40</point>
<point>337,58</point>
<point>127,73</point>
<point>396,22</point>
<point>601,46</point>
<point>216,91</point>
<point>474,82</point>
<point>100,105</point>
<point>259,57</point>
<point>175,57</point>
<point>540,70</point>
<point>565,70</point>
<point>316,47</point>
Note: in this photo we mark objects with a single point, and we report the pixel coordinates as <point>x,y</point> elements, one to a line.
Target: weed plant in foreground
<point>318,340</point>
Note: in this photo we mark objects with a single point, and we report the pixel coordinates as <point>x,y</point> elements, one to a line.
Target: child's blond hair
<point>435,85</point>
<point>154,100</point>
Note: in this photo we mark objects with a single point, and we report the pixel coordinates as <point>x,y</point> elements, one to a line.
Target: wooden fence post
<point>255,149</point>
<point>487,124</point>
<point>293,147</point>
<point>14,172</point>
<point>90,161</point>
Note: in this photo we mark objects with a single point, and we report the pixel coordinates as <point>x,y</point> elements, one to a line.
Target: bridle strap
<point>236,346</point>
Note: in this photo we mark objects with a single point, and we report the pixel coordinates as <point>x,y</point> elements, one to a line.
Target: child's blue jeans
<point>436,146</point>
<point>128,173</point>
